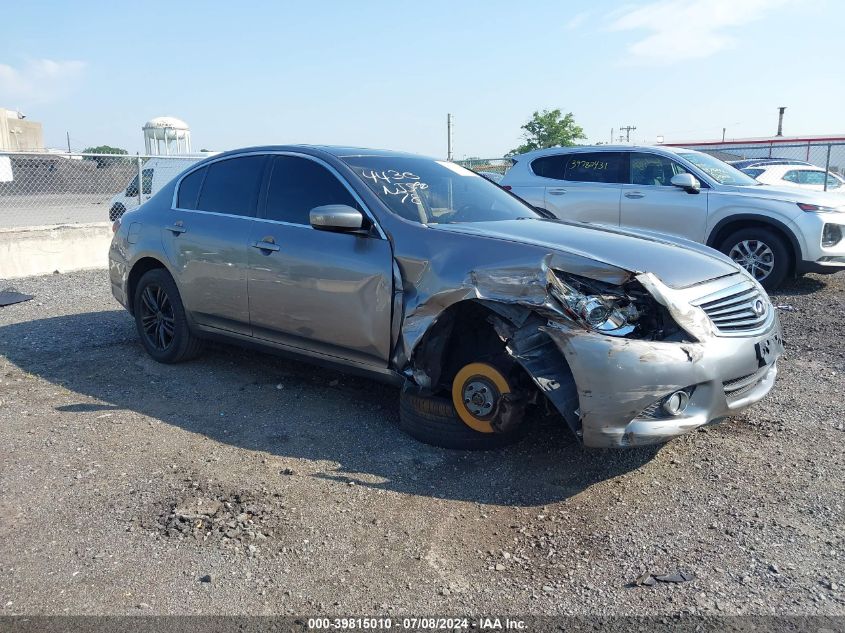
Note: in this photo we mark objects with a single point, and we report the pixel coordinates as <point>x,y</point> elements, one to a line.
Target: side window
<point>605,167</point>
<point>791,176</point>
<point>753,171</point>
<point>189,189</point>
<point>549,166</point>
<point>297,185</point>
<point>231,186</point>
<point>653,169</point>
<point>810,177</point>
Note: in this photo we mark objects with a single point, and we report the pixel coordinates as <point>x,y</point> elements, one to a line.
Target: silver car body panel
<point>368,302</point>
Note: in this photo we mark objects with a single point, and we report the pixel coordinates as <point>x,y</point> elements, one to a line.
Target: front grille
<point>736,310</point>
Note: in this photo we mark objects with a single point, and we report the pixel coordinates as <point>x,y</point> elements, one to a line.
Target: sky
<point>385,74</point>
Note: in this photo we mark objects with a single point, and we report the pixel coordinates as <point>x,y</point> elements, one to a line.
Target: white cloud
<point>686,29</point>
<point>577,20</point>
<point>38,81</point>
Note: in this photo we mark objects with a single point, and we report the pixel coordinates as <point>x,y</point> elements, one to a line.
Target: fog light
<point>677,403</point>
<point>831,235</point>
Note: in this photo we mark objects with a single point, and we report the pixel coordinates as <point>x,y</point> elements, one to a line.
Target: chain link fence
<point>38,189</point>
<point>492,168</point>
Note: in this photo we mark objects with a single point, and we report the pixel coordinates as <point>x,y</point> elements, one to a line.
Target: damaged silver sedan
<point>422,273</point>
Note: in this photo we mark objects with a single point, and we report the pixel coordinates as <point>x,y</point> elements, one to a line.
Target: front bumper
<point>620,380</point>
<point>815,257</point>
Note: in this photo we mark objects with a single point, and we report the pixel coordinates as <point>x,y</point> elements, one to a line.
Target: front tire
<point>433,420</point>
<point>160,319</point>
<point>762,252</point>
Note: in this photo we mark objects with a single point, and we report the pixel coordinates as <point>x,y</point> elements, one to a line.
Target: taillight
<point>115,225</point>
<point>507,187</point>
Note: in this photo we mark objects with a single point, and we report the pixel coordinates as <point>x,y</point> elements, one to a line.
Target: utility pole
<point>449,137</point>
<point>780,120</point>
<point>68,141</point>
<point>627,129</point>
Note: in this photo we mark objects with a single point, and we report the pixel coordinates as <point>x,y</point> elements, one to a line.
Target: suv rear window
<point>549,166</point>
<point>606,167</point>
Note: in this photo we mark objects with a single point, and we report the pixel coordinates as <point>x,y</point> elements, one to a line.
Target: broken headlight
<point>614,310</point>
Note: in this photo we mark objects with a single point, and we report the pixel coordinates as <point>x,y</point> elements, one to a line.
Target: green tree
<point>104,161</point>
<point>549,128</point>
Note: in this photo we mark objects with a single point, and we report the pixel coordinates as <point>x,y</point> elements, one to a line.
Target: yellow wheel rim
<point>476,390</point>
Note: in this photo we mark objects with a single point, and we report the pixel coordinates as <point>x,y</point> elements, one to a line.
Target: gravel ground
<point>246,483</point>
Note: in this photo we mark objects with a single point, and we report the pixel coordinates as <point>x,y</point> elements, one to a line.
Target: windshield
<point>436,192</point>
<point>721,172</point>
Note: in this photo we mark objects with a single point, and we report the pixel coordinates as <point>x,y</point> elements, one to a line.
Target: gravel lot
<point>247,483</point>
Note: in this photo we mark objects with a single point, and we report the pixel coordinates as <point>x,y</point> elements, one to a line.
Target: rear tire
<point>161,321</point>
<point>762,252</point>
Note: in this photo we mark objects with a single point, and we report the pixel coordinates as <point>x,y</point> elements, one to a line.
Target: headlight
<point>818,209</point>
<point>600,307</point>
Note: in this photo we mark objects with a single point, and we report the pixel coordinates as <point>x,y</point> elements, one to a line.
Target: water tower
<point>166,135</point>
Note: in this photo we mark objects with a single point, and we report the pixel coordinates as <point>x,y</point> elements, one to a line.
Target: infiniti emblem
<point>759,307</point>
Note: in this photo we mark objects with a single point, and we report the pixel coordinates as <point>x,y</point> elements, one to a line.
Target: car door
<point>588,186</point>
<point>650,202</point>
<point>316,290</point>
<point>207,241</point>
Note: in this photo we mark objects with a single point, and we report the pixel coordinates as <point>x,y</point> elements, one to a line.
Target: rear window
<point>189,189</point>
<point>549,166</point>
<point>607,167</point>
<point>231,186</point>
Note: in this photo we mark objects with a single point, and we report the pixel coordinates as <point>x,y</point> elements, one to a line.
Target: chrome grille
<point>735,310</point>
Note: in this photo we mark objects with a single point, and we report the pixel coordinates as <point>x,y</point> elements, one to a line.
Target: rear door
<point>587,187</point>
<point>207,240</point>
<point>650,202</point>
<point>312,289</point>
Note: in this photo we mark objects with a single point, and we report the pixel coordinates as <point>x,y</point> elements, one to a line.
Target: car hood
<point>786,194</point>
<point>678,263</point>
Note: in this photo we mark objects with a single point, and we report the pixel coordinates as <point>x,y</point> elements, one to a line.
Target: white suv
<point>772,232</point>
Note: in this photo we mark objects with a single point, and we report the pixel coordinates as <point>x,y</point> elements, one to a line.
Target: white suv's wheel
<point>762,252</point>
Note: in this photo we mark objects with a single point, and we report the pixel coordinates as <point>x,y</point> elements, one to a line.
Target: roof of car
<point>605,148</point>
<point>337,150</point>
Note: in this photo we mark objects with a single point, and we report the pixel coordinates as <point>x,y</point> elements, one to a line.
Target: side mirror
<point>337,217</point>
<point>687,182</point>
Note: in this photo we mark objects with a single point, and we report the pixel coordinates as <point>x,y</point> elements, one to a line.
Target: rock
<point>287,471</point>
<point>548,588</point>
<point>206,578</point>
<point>500,567</point>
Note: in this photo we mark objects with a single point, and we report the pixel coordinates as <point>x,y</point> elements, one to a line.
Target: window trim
<point>262,194</point>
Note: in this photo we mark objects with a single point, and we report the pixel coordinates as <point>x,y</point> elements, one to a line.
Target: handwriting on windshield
<point>404,184</point>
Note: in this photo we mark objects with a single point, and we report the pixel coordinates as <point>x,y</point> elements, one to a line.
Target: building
<point>19,134</point>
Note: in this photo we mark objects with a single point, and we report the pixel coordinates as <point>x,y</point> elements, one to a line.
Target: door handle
<point>634,195</point>
<point>266,244</point>
<point>176,228</point>
<point>557,192</point>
